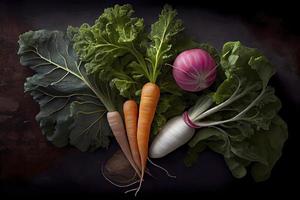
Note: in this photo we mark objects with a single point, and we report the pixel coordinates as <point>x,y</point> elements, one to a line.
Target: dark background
<point>29,165</point>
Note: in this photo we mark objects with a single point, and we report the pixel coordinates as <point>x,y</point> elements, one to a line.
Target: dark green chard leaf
<point>260,152</point>
<point>192,154</point>
<point>237,165</point>
<point>214,138</point>
<point>70,109</point>
<point>263,148</point>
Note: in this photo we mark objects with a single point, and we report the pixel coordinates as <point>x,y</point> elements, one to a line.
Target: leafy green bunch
<point>86,71</point>
<point>119,48</point>
<point>80,73</point>
<point>240,119</point>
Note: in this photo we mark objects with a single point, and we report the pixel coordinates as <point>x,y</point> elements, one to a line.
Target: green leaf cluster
<point>240,119</point>
<point>118,47</point>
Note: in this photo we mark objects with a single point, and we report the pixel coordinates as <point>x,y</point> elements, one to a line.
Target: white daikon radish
<point>178,130</point>
<point>171,138</point>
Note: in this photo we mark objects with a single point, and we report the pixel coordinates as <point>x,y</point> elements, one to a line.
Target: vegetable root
<point>194,70</point>
<point>149,100</point>
<point>130,109</point>
<point>116,124</point>
<point>160,167</point>
<point>116,184</point>
<point>173,135</point>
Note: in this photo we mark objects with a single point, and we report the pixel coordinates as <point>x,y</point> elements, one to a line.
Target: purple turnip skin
<point>194,70</point>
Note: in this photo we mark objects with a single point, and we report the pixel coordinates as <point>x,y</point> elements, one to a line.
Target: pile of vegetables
<point>162,88</point>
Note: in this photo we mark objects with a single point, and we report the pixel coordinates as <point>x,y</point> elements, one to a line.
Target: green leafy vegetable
<point>244,95</point>
<point>77,73</point>
<point>118,47</point>
<point>162,33</point>
<point>114,34</point>
<point>263,149</point>
<point>113,46</point>
<point>239,119</point>
<point>117,34</point>
<point>70,100</point>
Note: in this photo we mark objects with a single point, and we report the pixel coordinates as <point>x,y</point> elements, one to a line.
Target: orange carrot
<point>116,124</point>
<point>149,100</point>
<point>130,109</point>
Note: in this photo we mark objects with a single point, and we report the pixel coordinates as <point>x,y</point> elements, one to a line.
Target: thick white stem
<point>235,118</point>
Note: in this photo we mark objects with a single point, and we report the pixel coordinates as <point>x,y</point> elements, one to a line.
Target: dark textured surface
<point>31,165</point>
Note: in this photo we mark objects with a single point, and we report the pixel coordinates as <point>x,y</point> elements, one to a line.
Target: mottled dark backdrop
<point>30,165</point>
